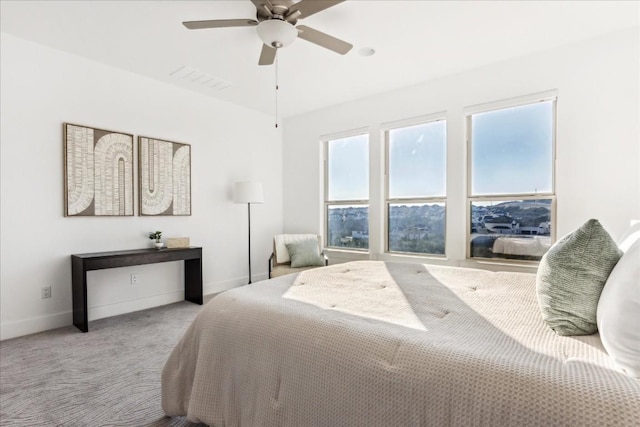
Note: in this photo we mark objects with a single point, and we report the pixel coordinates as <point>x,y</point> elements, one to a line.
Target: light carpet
<point>109,376</point>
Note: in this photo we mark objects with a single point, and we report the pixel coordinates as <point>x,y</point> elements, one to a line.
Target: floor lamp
<point>248,192</point>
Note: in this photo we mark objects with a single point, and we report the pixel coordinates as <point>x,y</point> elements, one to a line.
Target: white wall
<point>598,155</point>
<point>42,88</point>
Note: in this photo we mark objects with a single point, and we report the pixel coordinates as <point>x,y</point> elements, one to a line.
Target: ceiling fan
<point>276,20</point>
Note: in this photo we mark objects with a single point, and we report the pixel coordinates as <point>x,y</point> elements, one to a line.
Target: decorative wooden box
<point>178,242</point>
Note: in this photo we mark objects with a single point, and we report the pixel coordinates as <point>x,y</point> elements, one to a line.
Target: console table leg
<point>79,294</point>
<point>193,280</point>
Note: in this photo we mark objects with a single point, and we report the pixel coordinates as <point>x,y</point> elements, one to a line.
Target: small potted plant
<point>156,235</point>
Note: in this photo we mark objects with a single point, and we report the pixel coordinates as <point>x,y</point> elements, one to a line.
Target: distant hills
<point>420,228</point>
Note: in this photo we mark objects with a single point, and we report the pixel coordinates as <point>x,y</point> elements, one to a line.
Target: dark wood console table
<point>81,263</point>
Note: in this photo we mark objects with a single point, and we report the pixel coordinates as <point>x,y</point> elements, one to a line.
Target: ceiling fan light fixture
<point>277,33</point>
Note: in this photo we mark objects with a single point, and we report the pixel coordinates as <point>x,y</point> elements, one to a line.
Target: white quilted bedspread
<point>370,343</point>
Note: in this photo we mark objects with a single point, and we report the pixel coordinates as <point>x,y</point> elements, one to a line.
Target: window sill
<point>346,253</point>
<point>515,266</point>
<point>426,259</point>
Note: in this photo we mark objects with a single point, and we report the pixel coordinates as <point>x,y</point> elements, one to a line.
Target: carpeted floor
<point>109,376</point>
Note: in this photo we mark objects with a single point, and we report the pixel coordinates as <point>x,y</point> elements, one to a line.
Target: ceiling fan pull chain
<point>276,92</point>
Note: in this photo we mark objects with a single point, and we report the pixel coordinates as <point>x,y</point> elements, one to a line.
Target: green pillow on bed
<point>305,253</point>
<point>571,276</point>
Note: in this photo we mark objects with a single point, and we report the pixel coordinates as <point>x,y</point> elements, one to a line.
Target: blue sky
<point>349,168</point>
<point>512,150</point>
<point>418,161</point>
<point>511,154</point>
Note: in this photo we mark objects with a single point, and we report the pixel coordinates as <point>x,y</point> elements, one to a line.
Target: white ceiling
<point>414,41</point>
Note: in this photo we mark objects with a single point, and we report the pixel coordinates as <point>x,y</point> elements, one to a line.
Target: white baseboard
<point>129,306</point>
<point>34,325</point>
<point>214,288</point>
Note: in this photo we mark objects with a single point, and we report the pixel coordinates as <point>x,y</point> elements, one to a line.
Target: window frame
<point>386,129</point>
<point>325,141</point>
<point>470,198</point>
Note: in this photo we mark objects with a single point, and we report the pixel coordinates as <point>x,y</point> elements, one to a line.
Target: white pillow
<point>630,236</point>
<point>618,314</point>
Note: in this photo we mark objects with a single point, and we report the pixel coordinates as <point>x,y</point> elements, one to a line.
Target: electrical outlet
<point>45,292</point>
<point>134,279</point>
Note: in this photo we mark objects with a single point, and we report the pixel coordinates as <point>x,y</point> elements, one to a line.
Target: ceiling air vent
<point>193,76</point>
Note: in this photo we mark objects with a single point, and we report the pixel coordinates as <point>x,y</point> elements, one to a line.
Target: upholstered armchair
<point>296,252</point>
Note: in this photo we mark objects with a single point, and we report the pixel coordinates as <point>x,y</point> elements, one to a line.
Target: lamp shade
<point>248,192</point>
<point>277,33</point>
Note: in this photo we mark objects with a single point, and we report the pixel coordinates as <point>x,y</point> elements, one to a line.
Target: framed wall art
<point>98,172</point>
<point>164,177</point>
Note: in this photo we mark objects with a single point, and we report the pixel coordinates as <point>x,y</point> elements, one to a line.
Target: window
<point>347,192</point>
<point>416,188</point>
<point>511,181</point>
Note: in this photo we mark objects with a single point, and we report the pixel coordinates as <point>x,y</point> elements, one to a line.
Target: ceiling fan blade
<point>293,17</point>
<point>220,23</point>
<point>309,7</point>
<point>264,8</point>
<point>324,40</point>
<point>268,55</point>
<point>260,4</point>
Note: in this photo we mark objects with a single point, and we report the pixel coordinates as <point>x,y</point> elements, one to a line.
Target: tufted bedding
<point>370,343</point>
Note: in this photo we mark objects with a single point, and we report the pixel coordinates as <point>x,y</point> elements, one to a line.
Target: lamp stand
<point>249,216</point>
<point>248,192</point>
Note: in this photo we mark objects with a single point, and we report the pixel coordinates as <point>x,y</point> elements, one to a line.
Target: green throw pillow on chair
<point>305,253</point>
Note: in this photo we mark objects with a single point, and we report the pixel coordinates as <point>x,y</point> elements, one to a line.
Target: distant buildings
<point>421,227</point>
<point>499,219</point>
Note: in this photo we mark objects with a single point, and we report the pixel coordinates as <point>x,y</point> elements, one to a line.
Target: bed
<point>370,343</point>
